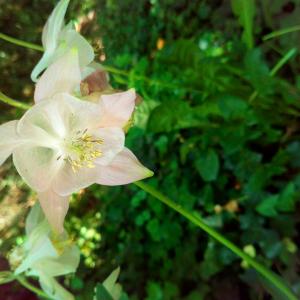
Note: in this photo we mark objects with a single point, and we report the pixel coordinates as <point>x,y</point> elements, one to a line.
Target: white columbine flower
<point>40,256</point>
<point>63,144</point>
<point>58,39</point>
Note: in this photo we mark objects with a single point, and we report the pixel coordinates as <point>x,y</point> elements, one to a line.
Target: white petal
<point>36,165</point>
<point>124,169</point>
<point>57,117</point>
<point>34,218</point>
<point>50,37</point>
<point>54,25</point>
<point>53,289</point>
<point>62,76</point>
<point>36,251</point>
<point>70,39</point>
<point>113,139</point>
<point>66,263</point>
<point>67,181</point>
<point>55,208</point>
<point>43,63</point>
<point>116,109</point>
<point>9,139</point>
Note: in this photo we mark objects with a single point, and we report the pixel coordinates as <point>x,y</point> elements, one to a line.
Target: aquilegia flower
<point>58,39</point>
<point>45,256</point>
<point>63,144</point>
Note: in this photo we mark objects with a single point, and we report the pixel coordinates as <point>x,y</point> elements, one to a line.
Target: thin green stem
<point>280,32</point>
<point>21,43</point>
<point>23,281</point>
<point>13,102</point>
<point>283,61</point>
<point>109,69</point>
<point>276,68</point>
<point>272,277</point>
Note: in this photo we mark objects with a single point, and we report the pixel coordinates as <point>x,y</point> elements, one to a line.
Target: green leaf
<point>245,11</point>
<point>232,107</point>
<point>208,165</point>
<point>173,115</point>
<point>287,199</point>
<point>102,293</point>
<point>267,206</point>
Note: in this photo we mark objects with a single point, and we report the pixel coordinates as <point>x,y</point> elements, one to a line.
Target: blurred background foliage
<point>218,124</point>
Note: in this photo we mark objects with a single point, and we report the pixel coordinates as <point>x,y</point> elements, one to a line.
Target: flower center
<point>83,150</point>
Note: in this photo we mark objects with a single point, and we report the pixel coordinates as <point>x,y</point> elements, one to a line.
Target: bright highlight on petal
<point>62,76</point>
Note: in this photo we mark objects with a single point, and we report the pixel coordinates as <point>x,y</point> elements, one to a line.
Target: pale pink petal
<point>69,181</point>
<point>37,165</point>
<point>57,117</point>
<point>55,208</point>
<point>9,139</point>
<point>62,76</point>
<point>116,109</point>
<point>124,169</point>
<point>113,139</point>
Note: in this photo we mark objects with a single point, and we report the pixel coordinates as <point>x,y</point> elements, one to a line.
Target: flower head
<point>44,256</point>
<point>63,144</point>
<point>58,39</point>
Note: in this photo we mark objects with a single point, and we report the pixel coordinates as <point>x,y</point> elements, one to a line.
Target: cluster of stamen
<point>85,150</point>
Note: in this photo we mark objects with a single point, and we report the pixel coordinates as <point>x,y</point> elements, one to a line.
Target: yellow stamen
<point>84,147</point>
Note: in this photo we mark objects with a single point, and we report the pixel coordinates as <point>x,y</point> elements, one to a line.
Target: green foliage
<point>245,11</point>
<point>233,161</point>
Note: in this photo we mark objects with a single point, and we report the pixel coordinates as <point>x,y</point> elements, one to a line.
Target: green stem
<point>23,281</point>
<point>272,277</point>
<point>13,102</point>
<point>106,67</point>
<point>280,32</point>
<point>21,43</point>
<point>276,68</point>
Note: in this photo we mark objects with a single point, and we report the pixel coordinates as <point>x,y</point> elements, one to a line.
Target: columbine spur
<point>57,39</point>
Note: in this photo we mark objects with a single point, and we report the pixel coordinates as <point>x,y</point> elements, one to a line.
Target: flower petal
<point>71,39</point>
<point>34,218</point>
<point>66,263</point>
<point>116,109</point>
<point>36,165</point>
<point>62,76</point>
<point>54,25</point>
<point>37,246</point>
<point>50,37</point>
<point>67,181</point>
<point>54,289</point>
<point>55,208</point>
<point>124,169</point>
<point>9,139</point>
<point>113,139</point>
